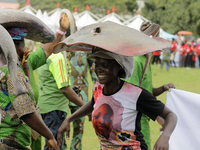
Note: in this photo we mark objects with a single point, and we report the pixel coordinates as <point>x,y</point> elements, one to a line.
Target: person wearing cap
<point>35,59</point>
<point>117,106</point>
<point>148,28</point>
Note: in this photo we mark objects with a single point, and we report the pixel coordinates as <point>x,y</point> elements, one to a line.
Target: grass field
<point>182,78</point>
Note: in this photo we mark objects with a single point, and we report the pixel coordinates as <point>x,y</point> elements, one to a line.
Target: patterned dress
<point>12,108</point>
<point>79,76</point>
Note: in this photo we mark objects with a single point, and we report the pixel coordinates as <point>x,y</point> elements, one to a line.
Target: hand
<point>162,143</point>
<point>25,58</point>
<point>76,89</point>
<point>168,86</point>
<point>161,121</point>
<point>64,22</point>
<point>65,127</point>
<point>51,143</point>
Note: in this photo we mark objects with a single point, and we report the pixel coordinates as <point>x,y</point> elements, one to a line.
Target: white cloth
<point>186,106</point>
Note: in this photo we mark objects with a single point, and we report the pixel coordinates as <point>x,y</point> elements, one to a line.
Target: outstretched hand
<point>51,143</point>
<point>64,22</point>
<point>162,143</point>
<point>65,127</point>
<point>167,87</point>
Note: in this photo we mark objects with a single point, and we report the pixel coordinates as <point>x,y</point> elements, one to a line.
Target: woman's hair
<point>17,42</point>
<point>122,73</point>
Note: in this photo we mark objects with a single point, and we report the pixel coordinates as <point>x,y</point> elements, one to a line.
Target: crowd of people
<point>120,107</point>
<point>181,54</point>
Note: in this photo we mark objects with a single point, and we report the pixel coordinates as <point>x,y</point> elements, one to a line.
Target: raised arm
<point>64,24</point>
<point>170,123</point>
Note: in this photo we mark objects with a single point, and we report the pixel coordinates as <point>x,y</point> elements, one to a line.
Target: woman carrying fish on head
<point>117,106</point>
<point>32,28</point>
<point>17,104</point>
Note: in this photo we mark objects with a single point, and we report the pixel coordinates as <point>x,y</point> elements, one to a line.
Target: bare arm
<point>71,95</point>
<point>35,122</point>
<point>65,127</point>
<point>48,47</point>
<point>170,123</point>
<point>159,90</point>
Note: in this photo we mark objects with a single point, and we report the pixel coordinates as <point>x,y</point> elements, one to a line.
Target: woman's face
<point>20,48</point>
<point>106,70</point>
<point>103,120</point>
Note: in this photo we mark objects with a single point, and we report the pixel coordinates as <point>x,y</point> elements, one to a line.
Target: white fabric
<point>186,106</point>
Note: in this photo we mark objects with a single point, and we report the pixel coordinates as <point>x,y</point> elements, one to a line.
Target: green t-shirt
<point>13,107</point>
<point>35,60</point>
<point>139,63</point>
<point>52,77</point>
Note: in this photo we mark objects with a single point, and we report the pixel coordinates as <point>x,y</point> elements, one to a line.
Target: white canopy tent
<point>54,16</point>
<point>112,17</point>
<point>45,18</point>
<point>85,18</point>
<point>29,10</point>
<point>136,22</point>
<point>39,14</point>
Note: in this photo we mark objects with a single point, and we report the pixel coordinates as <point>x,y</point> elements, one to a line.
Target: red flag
<point>58,4</point>
<point>87,7</point>
<point>75,9</point>
<point>114,9</point>
<point>108,12</point>
<point>28,2</point>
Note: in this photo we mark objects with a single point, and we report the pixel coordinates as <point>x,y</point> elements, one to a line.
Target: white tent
<point>29,9</point>
<point>135,22</point>
<point>54,16</point>
<point>85,18</point>
<point>45,18</point>
<point>39,14</point>
<point>112,17</point>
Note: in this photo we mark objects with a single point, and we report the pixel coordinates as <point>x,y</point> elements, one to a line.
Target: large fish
<point>115,38</point>
<point>8,48</point>
<point>37,30</point>
<point>112,37</point>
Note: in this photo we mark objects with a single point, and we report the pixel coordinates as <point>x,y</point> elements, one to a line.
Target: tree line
<point>171,15</point>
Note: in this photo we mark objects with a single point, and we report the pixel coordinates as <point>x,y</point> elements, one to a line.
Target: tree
<point>174,15</point>
<point>96,6</point>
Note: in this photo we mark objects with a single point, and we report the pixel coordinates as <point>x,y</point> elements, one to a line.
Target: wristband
<point>61,32</point>
<point>163,88</point>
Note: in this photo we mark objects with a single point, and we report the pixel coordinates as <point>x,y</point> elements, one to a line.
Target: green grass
<point>182,78</point>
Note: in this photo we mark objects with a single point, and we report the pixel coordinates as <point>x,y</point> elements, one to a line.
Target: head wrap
<point>17,33</point>
<point>149,28</point>
<point>126,62</point>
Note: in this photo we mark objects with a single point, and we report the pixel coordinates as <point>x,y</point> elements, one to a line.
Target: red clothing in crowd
<point>156,53</point>
<point>182,50</point>
<point>174,46</point>
<point>189,49</point>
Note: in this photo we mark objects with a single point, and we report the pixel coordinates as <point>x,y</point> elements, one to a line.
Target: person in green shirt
<point>152,29</point>
<point>17,108</point>
<point>35,60</point>
<point>55,92</point>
